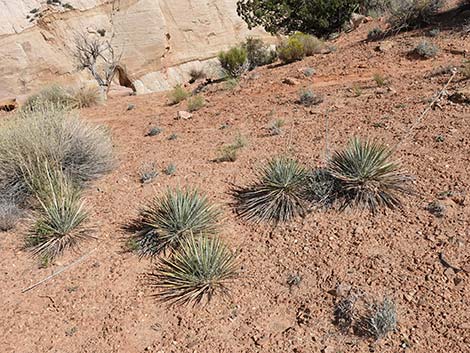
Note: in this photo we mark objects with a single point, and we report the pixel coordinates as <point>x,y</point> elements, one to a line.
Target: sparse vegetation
<point>62,213</point>
<point>234,61</point>
<point>380,80</point>
<point>170,218</point>
<point>425,50</point>
<point>258,53</point>
<point>367,177</point>
<point>170,169</point>
<point>356,90</point>
<point>436,208</point>
<point>154,131</point>
<point>177,95</point>
<point>198,270</point>
<point>197,74</point>
<point>321,187</point>
<point>409,14</point>
<point>229,153</point>
<point>276,196</point>
<point>375,34</point>
<point>10,213</point>
<point>85,97</point>
<point>381,319</point>
<point>290,50</point>
<point>49,97</point>
<point>275,127</point>
<point>82,151</point>
<point>148,172</point>
<point>311,45</point>
<point>308,98</point>
<point>309,72</point>
<point>195,103</point>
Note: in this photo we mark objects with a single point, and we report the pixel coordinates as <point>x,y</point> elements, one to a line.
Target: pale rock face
<point>161,40</point>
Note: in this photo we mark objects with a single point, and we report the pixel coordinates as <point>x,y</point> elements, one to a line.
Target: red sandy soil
<point>103,303</point>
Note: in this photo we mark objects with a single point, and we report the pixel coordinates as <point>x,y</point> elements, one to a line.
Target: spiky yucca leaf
<point>170,218</point>
<point>198,269</point>
<point>367,177</point>
<point>62,212</point>
<point>277,195</point>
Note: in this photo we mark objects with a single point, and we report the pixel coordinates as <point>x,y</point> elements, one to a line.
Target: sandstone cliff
<point>160,39</point>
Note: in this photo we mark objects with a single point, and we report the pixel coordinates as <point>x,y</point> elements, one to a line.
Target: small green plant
<point>195,103</point>
<point>309,72</point>
<point>147,173</point>
<point>425,50</point>
<point>154,131</point>
<point>308,98</point>
<point>436,208</point>
<point>290,50</point>
<point>356,90</point>
<point>380,80</point>
<point>276,196</point>
<point>234,61</point>
<point>320,187</point>
<point>375,34</point>
<point>311,45</point>
<point>10,213</point>
<point>367,177</point>
<point>172,137</point>
<point>198,270</point>
<point>258,53</point>
<point>170,169</point>
<point>229,153</point>
<point>230,84</point>
<point>170,218</point>
<point>177,95</point>
<point>275,127</point>
<point>50,97</point>
<point>380,319</point>
<point>62,213</point>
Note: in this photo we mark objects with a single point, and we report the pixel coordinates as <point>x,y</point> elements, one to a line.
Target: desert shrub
<point>170,169</point>
<point>147,172</point>
<point>356,90</point>
<point>84,97</point>
<point>177,95</point>
<point>465,69</point>
<point>199,269</point>
<point>375,34</point>
<point>380,319</point>
<point>234,61</point>
<point>290,50</point>
<point>229,153</point>
<point>311,44</point>
<point>380,80</point>
<point>56,135</point>
<point>308,98</point>
<point>276,196</point>
<point>367,177</point>
<point>51,96</point>
<point>408,14</point>
<point>344,313</point>
<point>275,127</point>
<point>154,131</point>
<point>321,187</point>
<point>61,213</point>
<point>170,218</point>
<point>425,50</point>
<point>10,213</point>
<point>195,103</point>
<point>319,17</point>
<point>196,74</point>
<point>258,53</point>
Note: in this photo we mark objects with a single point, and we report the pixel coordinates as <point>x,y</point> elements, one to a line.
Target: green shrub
<point>409,14</point>
<point>425,50</point>
<point>311,44</point>
<point>177,95</point>
<point>196,103</point>
<point>234,61</point>
<point>380,80</point>
<point>275,127</point>
<point>51,96</point>
<point>321,187</point>
<point>62,212</point>
<point>258,53</point>
<point>308,98</point>
<point>290,50</point>
<point>319,17</point>
<point>55,135</point>
<point>147,172</point>
<point>366,177</point>
<point>380,319</point>
<point>229,153</point>
<point>198,269</point>
<point>375,34</point>
<point>170,218</point>
<point>276,196</point>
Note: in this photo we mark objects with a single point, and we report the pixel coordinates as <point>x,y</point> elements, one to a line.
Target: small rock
<point>182,114</point>
<point>290,81</point>
<point>130,107</point>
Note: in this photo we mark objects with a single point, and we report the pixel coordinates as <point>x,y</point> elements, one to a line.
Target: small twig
<point>425,112</point>
<point>76,262</point>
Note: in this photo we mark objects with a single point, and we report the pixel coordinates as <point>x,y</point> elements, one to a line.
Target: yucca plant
<point>277,195</point>
<point>61,213</point>
<point>172,217</point>
<point>367,177</point>
<point>199,269</point>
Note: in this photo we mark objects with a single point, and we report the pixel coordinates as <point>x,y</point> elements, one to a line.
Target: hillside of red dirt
<point>104,305</point>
